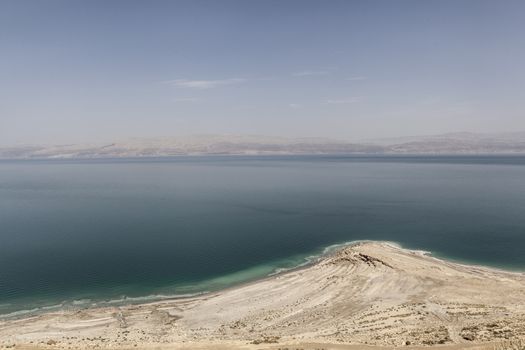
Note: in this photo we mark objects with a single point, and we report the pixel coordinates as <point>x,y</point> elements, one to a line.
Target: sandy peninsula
<point>369,295</point>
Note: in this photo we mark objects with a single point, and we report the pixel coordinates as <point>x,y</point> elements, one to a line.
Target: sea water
<point>75,233</point>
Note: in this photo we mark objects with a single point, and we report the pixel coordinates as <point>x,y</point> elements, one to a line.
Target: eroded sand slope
<point>368,293</point>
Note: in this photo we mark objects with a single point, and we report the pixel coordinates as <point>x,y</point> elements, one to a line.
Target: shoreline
<point>69,305</point>
<point>367,292</point>
<point>309,260</point>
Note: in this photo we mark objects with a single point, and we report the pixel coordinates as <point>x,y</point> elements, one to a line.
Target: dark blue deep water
<point>74,233</point>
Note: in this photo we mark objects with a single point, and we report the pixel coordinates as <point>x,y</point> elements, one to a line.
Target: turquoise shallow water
<point>74,233</point>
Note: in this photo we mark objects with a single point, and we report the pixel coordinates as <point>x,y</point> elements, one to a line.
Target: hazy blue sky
<point>75,71</point>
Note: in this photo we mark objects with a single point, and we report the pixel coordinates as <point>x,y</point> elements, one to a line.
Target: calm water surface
<point>76,233</point>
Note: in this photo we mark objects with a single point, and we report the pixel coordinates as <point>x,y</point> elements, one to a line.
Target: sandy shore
<point>369,295</point>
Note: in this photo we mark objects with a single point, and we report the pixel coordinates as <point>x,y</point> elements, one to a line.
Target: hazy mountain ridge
<point>453,143</point>
<point>456,143</point>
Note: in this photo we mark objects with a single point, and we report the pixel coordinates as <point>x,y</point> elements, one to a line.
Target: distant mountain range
<point>452,143</point>
<point>455,143</point>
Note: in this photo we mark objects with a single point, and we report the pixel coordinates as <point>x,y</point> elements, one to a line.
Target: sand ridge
<point>371,294</point>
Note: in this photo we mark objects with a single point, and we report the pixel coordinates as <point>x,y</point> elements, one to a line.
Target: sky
<point>88,71</point>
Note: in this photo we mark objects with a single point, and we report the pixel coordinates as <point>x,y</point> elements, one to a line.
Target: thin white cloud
<point>204,84</point>
<point>358,78</point>
<point>294,105</point>
<point>343,101</point>
<point>309,73</point>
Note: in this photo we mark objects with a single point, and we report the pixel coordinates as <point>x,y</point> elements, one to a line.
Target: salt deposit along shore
<point>369,295</point>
